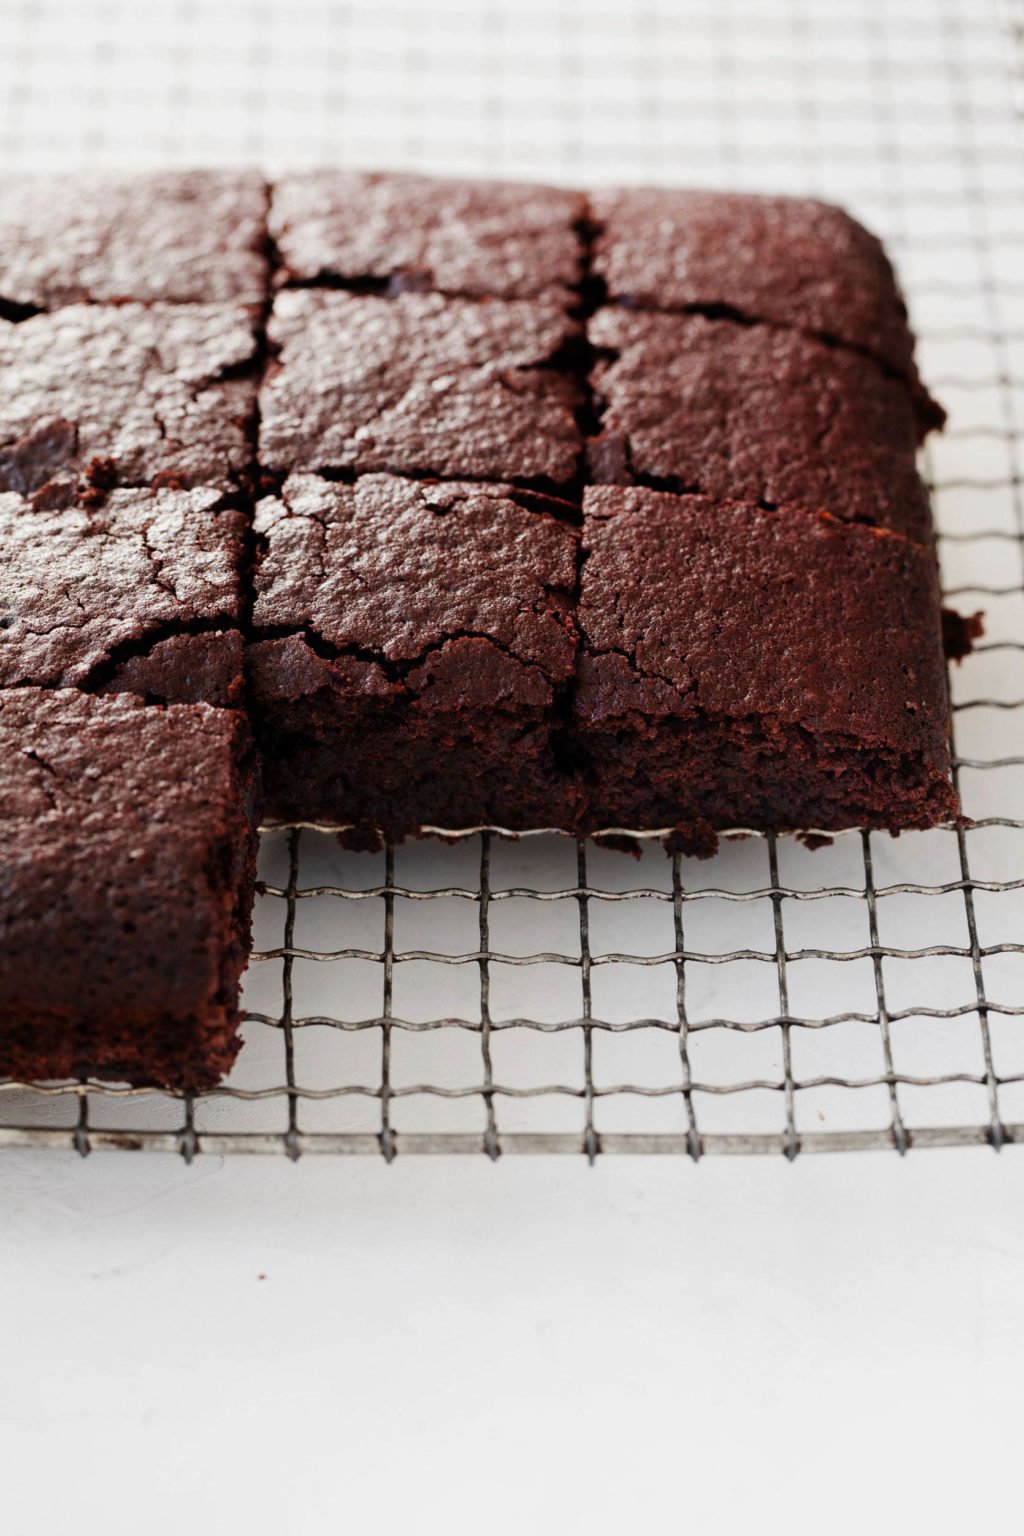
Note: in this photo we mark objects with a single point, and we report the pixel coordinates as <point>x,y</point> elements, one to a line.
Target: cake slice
<point>164,395</point>
<point>420,384</point>
<point>399,232</point>
<point>101,237</point>
<point>126,887</point>
<point>412,656</point>
<point>739,667</point>
<point>754,413</point>
<point>127,590</point>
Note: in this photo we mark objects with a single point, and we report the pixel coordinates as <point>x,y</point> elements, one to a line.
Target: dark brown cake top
<point>117,815</point>
<point>419,384</point>
<point>395,569</point>
<point>114,794</point>
<point>114,774</point>
<point>180,236</point>
<point>472,238</point>
<point>81,585</point>
<point>689,606</point>
<point>755,413</point>
<point>790,260</point>
<point>156,389</point>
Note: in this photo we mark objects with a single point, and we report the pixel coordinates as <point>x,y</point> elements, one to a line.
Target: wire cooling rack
<point>492,996</point>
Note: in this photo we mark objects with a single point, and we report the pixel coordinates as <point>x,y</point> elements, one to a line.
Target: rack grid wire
<point>480,994</point>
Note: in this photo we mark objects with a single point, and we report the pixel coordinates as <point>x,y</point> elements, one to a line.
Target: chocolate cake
<point>411,643</point>
<point>164,392</point>
<point>790,261</point>
<point>125,887</point>
<point>140,592</point>
<point>87,237</point>
<point>487,505</point>
<point>754,413</point>
<point>401,233</point>
<point>710,694</point>
<point>419,384</point>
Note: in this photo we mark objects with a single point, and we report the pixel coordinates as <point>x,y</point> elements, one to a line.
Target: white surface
<point>446,1345</point>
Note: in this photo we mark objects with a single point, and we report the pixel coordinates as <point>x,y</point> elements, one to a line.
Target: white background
<point>449,1346</point>
<point>444,1344</point>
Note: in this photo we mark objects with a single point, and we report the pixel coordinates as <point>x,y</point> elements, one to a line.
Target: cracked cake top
<point>754,413</point>
<point>419,384</point>
<point>726,609</point>
<point>141,592</point>
<point>477,239</point>
<point>793,261</point>
<point>163,391</point>
<point>193,236</point>
<point>390,571</point>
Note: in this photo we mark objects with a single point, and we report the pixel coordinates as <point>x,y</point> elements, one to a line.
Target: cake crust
<point>419,385</point>
<point>710,695</point>
<point>165,394</point>
<point>404,232</point>
<point>180,237</point>
<point>754,413</point>
<point>412,643</point>
<point>142,592</point>
<point>125,889</point>
<point>792,261</point>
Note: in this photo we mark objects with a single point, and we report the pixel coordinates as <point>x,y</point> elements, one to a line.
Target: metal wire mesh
<point>546,995</point>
